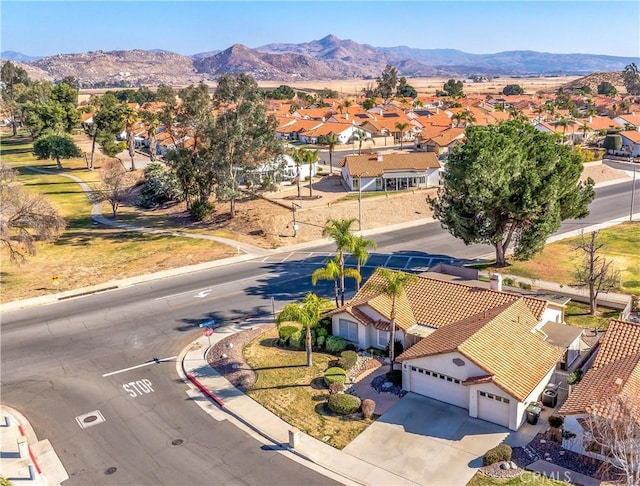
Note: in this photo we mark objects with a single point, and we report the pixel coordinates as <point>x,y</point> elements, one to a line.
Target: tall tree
<point>453,88</point>
<point>631,78</point>
<point>14,79</point>
<point>402,128</point>
<point>334,271</point>
<point>359,251</point>
<point>311,157</point>
<point>152,123</point>
<point>131,118</point>
<point>339,230</point>
<point>24,218</point>
<point>393,285</point>
<point>108,121</point>
<point>405,90</point>
<point>330,141</point>
<point>360,136</point>
<point>56,147</point>
<point>596,272</point>
<point>298,156</point>
<point>115,185</point>
<point>243,135</point>
<point>387,83</point>
<point>510,183</point>
<point>308,313</point>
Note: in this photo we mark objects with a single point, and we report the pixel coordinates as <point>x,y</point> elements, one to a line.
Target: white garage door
<point>441,387</point>
<point>493,408</point>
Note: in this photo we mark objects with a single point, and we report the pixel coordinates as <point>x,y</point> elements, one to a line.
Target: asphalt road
<point>54,357</point>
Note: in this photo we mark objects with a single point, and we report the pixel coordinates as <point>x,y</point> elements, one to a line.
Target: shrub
<point>348,360</point>
<point>335,344</point>
<point>320,341</point>
<point>343,403</point>
<point>574,377</point>
<point>336,388</point>
<point>202,211</point>
<point>160,186</point>
<point>395,377</point>
<point>321,331</point>
<point>556,421</point>
<point>499,453</point>
<point>351,347</point>
<point>325,324</point>
<point>335,375</point>
<point>296,338</point>
<point>368,407</point>
<point>284,333</point>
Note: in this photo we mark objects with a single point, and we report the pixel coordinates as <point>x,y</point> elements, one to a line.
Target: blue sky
<point>593,27</point>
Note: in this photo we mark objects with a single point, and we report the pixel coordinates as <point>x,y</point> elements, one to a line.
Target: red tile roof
<point>367,165</point>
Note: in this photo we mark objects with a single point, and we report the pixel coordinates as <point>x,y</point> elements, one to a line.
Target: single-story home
<point>612,381</point>
<point>444,142</point>
<point>631,142</point>
<point>390,171</point>
<point>282,169</point>
<point>464,344</point>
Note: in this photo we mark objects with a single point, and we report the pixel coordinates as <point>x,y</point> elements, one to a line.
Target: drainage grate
<point>90,419</point>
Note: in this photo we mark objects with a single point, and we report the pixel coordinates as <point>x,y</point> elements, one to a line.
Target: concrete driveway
<point>427,441</point>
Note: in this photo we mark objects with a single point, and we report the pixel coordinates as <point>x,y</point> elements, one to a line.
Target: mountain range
<point>323,59</point>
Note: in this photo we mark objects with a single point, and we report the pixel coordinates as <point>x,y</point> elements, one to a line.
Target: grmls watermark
<point>535,477</point>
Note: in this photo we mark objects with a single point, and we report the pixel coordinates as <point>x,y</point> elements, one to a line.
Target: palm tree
<point>359,246</point>
<point>564,123</point>
<point>347,103</point>
<point>585,128</point>
<point>332,271</point>
<point>360,135</point>
<point>457,117</point>
<point>393,285</point>
<point>541,110</point>
<point>339,230</point>
<point>130,120</point>
<point>401,127</point>
<point>298,155</point>
<point>153,123</point>
<point>311,157</point>
<point>308,313</point>
<point>330,141</point>
<point>468,117</point>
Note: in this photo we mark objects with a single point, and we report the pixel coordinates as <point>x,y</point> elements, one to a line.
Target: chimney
<point>496,282</point>
<point>346,116</point>
<point>437,111</point>
<point>379,158</point>
<point>590,119</point>
<point>324,119</point>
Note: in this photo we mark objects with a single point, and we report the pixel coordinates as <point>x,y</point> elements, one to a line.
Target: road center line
<point>153,361</point>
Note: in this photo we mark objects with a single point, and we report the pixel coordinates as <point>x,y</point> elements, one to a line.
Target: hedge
<point>335,375</point>
<point>284,333</point>
<point>335,344</point>
<point>344,403</point>
<point>348,360</point>
<point>499,453</point>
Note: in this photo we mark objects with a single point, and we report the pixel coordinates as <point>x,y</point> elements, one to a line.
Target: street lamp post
<point>295,225</point>
<point>633,190</point>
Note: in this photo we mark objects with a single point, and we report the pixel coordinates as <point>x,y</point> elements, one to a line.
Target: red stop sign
<point>208,331</point>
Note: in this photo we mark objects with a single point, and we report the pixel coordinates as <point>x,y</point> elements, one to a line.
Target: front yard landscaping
<point>296,393</point>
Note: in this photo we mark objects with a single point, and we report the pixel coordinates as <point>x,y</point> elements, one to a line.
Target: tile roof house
<point>390,171</point>
<point>615,373</point>
<point>464,344</point>
<point>631,142</point>
<point>444,142</point>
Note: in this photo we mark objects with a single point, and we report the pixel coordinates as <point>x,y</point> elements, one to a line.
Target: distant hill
<point>594,79</point>
<point>324,59</point>
<point>18,56</point>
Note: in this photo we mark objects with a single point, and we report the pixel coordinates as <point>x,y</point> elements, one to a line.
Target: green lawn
<point>578,314</point>
<point>558,261</point>
<point>296,393</point>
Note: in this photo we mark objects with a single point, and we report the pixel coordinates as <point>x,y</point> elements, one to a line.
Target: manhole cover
<point>90,418</point>
<point>111,470</point>
<point>177,442</point>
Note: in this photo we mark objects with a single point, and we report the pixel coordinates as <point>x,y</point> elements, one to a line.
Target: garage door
<point>493,408</point>
<point>441,387</point>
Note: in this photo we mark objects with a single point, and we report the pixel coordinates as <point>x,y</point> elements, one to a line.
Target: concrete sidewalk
<point>273,430</point>
<point>24,459</point>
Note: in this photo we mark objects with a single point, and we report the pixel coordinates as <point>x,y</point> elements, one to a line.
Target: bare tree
<point>595,272</point>
<point>613,430</point>
<point>116,185</point>
<point>25,218</point>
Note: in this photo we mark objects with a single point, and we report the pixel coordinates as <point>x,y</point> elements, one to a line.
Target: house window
<point>413,368</point>
<point>383,339</point>
<point>349,330</point>
<point>483,394</point>
<point>356,183</point>
<point>379,183</point>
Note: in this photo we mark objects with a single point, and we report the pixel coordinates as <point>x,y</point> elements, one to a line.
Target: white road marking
<point>204,293</point>
<point>137,388</point>
<point>214,287</point>
<point>153,361</point>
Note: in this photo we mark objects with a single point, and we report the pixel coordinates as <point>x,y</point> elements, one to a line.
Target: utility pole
<point>359,203</point>
<point>633,190</point>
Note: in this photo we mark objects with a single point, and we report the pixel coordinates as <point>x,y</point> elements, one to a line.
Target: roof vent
<point>618,381</point>
<point>496,282</point>
<point>379,157</point>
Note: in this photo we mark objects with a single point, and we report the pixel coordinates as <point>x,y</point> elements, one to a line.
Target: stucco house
<point>465,345</point>
<point>390,171</point>
<point>631,142</point>
<point>614,375</point>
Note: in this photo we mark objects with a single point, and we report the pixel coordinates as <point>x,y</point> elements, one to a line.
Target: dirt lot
<point>268,221</point>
